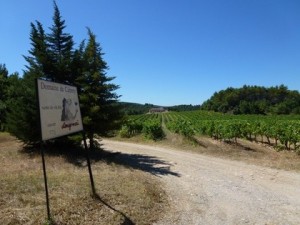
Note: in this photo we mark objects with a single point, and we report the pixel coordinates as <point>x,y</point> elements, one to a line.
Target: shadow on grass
<point>127,220</point>
<point>240,145</point>
<point>96,197</point>
<point>76,155</point>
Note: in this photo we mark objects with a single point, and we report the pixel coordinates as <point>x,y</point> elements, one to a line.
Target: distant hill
<point>254,100</point>
<point>130,108</point>
<point>180,108</point>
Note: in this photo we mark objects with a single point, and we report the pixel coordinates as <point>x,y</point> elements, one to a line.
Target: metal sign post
<point>60,115</point>
<point>89,164</point>
<point>46,183</point>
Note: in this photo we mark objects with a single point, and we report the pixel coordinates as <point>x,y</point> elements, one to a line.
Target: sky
<point>171,52</point>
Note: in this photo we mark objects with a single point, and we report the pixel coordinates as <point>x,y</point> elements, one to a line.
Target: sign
<point>59,109</point>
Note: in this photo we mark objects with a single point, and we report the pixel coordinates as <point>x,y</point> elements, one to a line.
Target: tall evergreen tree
<point>3,95</point>
<point>50,57</point>
<point>60,50</point>
<point>38,60</point>
<point>23,118</point>
<point>97,94</point>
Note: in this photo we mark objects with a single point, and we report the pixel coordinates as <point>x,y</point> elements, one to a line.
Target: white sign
<point>59,109</point>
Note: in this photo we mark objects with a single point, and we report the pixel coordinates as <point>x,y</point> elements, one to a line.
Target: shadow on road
<point>150,164</point>
<point>77,156</point>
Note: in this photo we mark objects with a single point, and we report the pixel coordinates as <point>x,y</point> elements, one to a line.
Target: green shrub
<point>182,127</point>
<point>130,128</point>
<point>152,130</point>
<point>125,132</point>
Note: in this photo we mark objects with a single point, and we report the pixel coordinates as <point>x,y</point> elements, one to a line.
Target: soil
<point>204,189</point>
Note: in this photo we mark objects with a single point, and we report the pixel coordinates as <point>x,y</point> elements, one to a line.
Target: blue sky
<point>170,52</point>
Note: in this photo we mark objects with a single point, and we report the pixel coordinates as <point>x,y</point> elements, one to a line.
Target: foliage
<point>129,108</point>
<point>59,51</point>
<point>52,57</point>
<point>182,126</point>
<point>181,108</point>
<point>150,125</point>
<point>96,94</point>
<point>22,114</point>
<point>3,97</point>
<point>130,128</point>
<point>152,129</point>
<point>255,100</point>
<point>137,109</point>
<point>278,131</point>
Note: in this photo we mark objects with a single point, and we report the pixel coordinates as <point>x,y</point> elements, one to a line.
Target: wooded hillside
<point>129,108</point>
<point>255,100</point>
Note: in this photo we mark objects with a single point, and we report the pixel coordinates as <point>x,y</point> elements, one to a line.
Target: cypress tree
<point>50,57</point>
<point>3,95</point>
<point>97,94</point>
<point>23,118</point>
<point>39,62</point>
<point>60,50</point>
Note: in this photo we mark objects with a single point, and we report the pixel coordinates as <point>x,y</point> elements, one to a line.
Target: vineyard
<point>280,132</point>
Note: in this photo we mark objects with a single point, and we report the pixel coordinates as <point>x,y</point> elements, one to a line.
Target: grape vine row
<point>282,132</point>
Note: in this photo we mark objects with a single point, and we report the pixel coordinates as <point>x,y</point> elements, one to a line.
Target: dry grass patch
<point>125,196</point>
<point>250,152</point>
<point>246,151</point>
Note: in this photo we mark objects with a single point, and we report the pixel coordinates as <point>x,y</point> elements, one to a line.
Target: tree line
<point>129,108</point>
<point>255,100</point>
<point>54,57</point>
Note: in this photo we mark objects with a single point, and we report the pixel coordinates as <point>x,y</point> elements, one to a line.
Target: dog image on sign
<point>69,110</point>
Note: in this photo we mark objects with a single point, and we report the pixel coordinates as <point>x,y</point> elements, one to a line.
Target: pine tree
<point>39,60</point>
<point>50,57</point>
<point>97,94</point>
<point>3,95</point>
<point>60,50</point>
<point>23,118</point>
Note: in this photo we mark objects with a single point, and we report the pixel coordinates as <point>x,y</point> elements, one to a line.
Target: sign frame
<point>59,109</point>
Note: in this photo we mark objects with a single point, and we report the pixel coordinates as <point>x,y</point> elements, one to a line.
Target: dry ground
<point>246,151</point>
<point>205,189</point>
<point>161,182</point>
<point>125,195</point>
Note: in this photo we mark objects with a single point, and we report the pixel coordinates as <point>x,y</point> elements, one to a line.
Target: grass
<point>246,151</point>
<point>124,195</point>
<point>251,152</point>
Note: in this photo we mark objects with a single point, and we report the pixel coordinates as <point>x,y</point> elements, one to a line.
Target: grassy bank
<point>246,151</point>
<point>125,195</point>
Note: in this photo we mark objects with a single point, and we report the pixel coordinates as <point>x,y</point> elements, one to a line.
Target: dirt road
<point>208,190</point>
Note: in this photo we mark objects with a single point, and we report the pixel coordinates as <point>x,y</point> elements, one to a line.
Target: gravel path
<point>208,190</point>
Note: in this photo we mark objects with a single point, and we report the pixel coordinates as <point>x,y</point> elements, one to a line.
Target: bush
<point>130,128</point>
<point>125,132</point>
<point>152,130</point>
<point>182,127</point>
